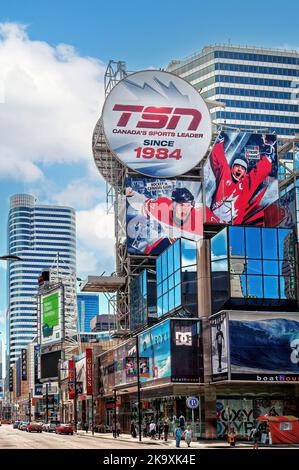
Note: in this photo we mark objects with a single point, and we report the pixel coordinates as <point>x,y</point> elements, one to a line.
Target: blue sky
<point>53,56</point>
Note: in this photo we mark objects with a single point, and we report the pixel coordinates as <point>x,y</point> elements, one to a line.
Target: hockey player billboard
<point>160,211</point>
<point>241,178</point>
<point>157,124</point>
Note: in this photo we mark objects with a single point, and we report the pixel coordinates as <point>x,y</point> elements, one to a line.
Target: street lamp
<point>11,258</point>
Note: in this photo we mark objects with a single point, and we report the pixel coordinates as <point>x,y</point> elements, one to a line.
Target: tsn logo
<point>157,117</point>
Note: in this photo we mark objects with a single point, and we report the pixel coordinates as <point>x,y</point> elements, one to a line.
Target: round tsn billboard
<point>157,124</point>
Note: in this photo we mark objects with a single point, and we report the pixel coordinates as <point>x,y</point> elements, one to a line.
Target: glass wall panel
<point>270,268</point>
<point>238,286</point>
<point>220,265</point>
<point>253,242</point>
<point>254,266</point>
<point>255,287</point>
<point>177,255</point>
<point>188,248</point>
<point>236,241</point>
<point>271,287</point>
<point>269,238</point>
<point>219,245</point>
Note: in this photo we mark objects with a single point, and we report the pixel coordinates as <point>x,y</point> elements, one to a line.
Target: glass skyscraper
<point>259,87</point>
<point>88,307</point>
<point>36,233</point>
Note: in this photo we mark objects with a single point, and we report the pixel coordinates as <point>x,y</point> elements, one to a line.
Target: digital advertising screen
<point>51,318</point>
<point>282,212</point>
<point>186,362</point>
<point>264,347</point>
<point>240,178</point>
<point>219,345</point>
<point>154,345</point>
<point>160,211</point>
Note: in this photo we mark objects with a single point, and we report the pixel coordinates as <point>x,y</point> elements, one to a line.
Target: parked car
<point>34,427</point>
<point>16,424</point>
<point>64,429</point>
<point>23,425</point>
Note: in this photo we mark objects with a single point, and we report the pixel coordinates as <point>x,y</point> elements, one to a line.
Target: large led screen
<point>241,178</point>
<point>154,345</point>
<point>160,211</point>
<point>264,347</point>
<point>51,318</point>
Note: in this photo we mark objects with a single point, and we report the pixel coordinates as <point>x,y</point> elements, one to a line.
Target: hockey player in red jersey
<point>233,200</point>
<point>177,215</point>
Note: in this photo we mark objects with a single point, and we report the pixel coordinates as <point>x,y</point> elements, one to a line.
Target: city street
<point>15,439</point>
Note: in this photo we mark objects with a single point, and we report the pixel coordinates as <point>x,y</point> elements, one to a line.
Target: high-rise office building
<point>258,86</point>
<point>37,234</point>
<point>88,307</point>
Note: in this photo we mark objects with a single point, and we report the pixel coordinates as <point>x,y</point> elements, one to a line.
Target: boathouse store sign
<point>157,124</point>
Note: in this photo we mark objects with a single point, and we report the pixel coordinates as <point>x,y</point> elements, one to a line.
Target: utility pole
<point>138,389</point>
<point>47,403</point>
<point>29,407</point>
<point>114,414</point>
<point>92,414</point>
<point>75,398</point>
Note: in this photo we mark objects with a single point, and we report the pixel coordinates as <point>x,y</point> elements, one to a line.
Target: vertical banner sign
<point>37,384</point>
<point>157,124</point>
<point>71,384</point>
<point>24,363</point>
<point>89,388</point>
<point>11,379</point>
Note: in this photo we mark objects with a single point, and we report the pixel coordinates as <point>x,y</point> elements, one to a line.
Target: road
<point>15,439</point>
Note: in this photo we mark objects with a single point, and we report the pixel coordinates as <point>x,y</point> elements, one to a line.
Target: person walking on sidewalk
<point>231,438</point>
<point>117,428</point>
<point>178,436</point>
<point>166,429</point>
<point>133,429</point>
<point>152,429</point>
<point>188,436</point>
<point>182,422</point>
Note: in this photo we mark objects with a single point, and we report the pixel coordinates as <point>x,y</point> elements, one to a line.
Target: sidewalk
<point>202,444</point>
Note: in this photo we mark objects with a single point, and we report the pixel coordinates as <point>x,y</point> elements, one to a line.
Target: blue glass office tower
<point>88,307</point>
<point>257,85</point>
<point>36,233</point>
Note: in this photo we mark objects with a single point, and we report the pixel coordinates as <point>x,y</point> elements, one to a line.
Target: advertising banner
<point>154,344</point>
<point>81,373</point>
<point>185,353</point>
<point>160,211</point>
<point>24,363</point>
<point>219,344</point>
<point>89,375</point>
<point>282,213</point>
<point>264,347</point>
<point>11,379</point>
<point>241,178</point>
<point>157,124</point>
<point>71,382</point>
<point>51,321</point>
<point>37,384</point>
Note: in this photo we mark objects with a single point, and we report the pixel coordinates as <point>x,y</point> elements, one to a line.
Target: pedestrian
<point>117,428</point>
<point>182,422</point>
<point>160,428</point>
<point>152,429</point>
<point>166,429</point>
<point>178,436</point>
<point>133,429</point>
<point>188,435</point>
<point>231,437</point>
<point>255,435</point>
<point>86,427</point>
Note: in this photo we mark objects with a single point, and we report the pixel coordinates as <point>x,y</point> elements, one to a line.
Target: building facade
<point>257,85</point>
<point>88,307</point>
<point>42,236</point>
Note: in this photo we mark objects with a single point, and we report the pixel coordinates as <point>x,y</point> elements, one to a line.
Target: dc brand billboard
<point>241,178</point>
<point>157,124</point>
<point>160,211</point>
<point>186,359</point>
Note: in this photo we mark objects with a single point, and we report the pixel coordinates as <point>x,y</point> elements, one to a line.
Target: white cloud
<point>96,242</point>
<point>80,193</point>
<point>51,100</point>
